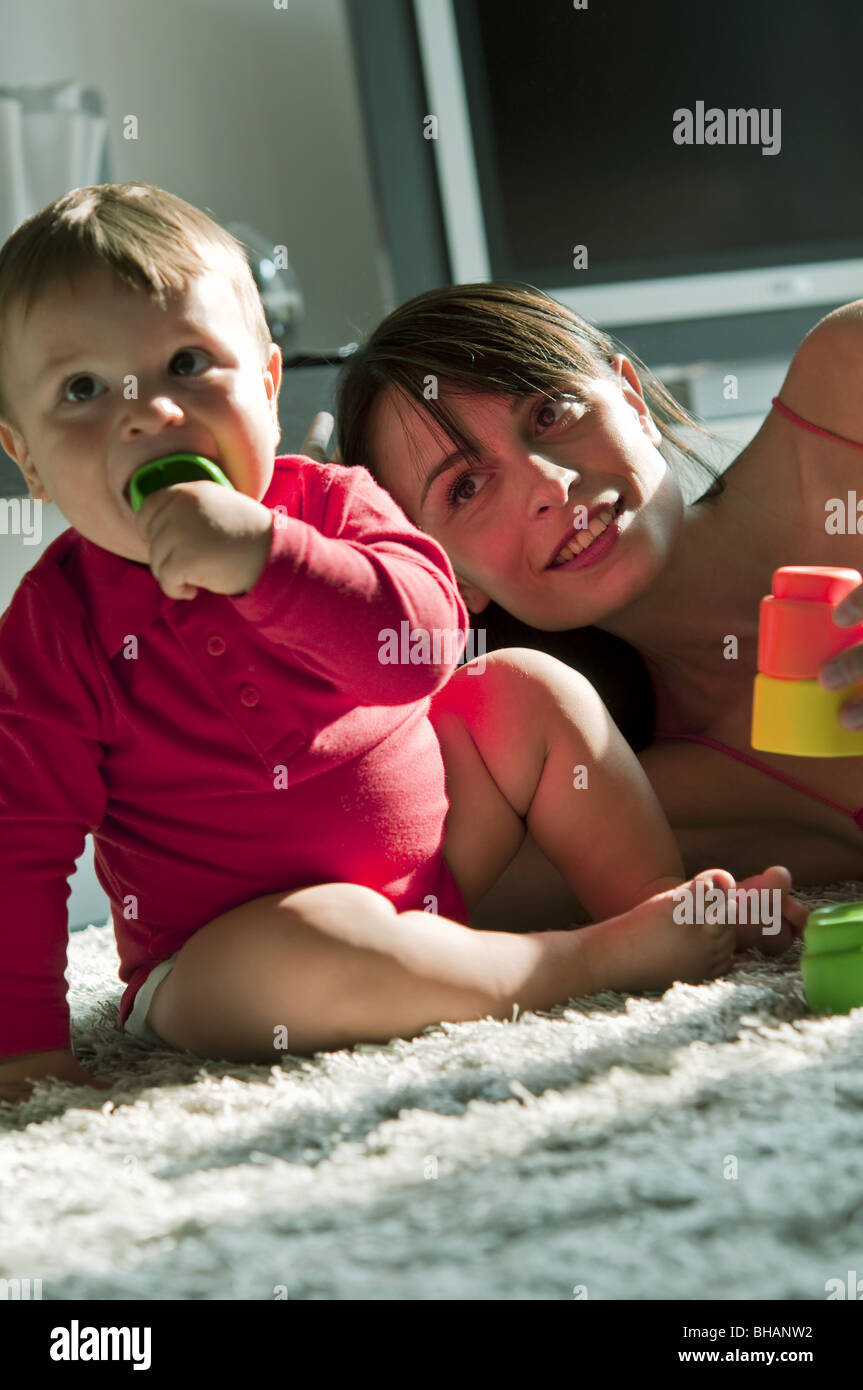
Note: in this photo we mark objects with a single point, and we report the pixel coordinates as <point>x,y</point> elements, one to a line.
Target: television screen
<point>578,144</point>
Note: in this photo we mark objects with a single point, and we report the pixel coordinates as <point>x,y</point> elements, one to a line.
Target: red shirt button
<point>249,695</point>
<point>215,644</point>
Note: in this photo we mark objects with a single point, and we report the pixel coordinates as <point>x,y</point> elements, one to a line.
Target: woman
<point>491,413</point>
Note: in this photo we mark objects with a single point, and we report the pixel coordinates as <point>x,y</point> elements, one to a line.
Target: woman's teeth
<point>583,539</point>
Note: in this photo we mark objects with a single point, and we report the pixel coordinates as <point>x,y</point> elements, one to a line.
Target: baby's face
<point>135,382</point>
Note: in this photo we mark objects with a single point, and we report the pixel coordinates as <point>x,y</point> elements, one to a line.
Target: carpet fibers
<point>701,1144</point>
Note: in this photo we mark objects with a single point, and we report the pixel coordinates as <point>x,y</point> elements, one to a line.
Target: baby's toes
<point>715,911</point>
<point>724,943</point>
<point>795,913</point>
<point>769,944</point>
<point>777,876</point>
<point>777,945</point>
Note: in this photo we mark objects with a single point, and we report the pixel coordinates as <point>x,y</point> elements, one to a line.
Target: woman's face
<point>550,470</point>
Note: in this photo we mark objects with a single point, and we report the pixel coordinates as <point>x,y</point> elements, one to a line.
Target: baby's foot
<point>791,919</point>
<point>648,948</point>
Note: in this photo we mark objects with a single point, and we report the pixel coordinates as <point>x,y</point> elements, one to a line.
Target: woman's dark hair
<point>500,339</point>
<point>514,340</point>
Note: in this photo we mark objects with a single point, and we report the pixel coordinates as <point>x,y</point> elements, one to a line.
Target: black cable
<point>320,359</point>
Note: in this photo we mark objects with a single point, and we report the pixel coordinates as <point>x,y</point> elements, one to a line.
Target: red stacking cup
<point>797,633</point>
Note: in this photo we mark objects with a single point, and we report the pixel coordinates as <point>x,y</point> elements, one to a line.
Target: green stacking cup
<point>173,468</point>
<point>832,960</point>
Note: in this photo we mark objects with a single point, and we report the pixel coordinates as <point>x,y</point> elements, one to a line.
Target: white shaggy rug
<point>705,1144</point>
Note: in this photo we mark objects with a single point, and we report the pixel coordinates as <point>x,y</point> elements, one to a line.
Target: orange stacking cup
<point>791,713</point>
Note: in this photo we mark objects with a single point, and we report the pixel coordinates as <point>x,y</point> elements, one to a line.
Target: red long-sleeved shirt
<point>218,748</point>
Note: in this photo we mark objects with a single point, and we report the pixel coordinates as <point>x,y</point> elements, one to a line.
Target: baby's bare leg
<point>527,742</point>
<point>530,893</point>
<point>336,965</point>
<point>512,737</point>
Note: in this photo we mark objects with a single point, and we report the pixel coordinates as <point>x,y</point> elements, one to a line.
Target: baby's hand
<point>201,535</point>
<point>18,1074</point>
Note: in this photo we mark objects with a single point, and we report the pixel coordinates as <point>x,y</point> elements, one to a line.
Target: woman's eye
<point>551,412</point>
<point>74,384</point>
<point>185,354</point>
<point>463,488</point>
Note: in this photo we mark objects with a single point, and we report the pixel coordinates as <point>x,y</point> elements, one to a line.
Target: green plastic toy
<point>832,960</point>
<point>173,468</point>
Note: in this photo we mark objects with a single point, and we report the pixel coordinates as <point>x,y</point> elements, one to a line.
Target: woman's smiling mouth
<point>593,542</point>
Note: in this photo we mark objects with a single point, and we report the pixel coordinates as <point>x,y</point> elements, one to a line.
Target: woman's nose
<point>550,483</point>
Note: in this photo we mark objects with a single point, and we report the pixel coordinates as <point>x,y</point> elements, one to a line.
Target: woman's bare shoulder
<point>824,382</point>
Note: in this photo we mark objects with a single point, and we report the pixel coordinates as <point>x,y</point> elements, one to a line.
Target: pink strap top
<point>857,816</point>
<point>807,425</point>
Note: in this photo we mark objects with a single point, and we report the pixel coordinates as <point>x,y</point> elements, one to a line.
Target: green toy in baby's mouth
<point>173,468</point>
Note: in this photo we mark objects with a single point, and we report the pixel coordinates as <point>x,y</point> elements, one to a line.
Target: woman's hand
<point>317,440</point>
<point>847,668</point>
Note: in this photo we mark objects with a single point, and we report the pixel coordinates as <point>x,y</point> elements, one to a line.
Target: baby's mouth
<point>127,490</point>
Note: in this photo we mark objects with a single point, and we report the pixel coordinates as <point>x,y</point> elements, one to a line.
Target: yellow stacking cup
<point>800,717</point>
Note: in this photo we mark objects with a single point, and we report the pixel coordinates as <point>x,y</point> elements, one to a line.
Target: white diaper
<point>136,1023</point>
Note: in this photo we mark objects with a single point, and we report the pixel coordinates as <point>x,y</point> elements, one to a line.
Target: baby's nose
<point>149,411</point>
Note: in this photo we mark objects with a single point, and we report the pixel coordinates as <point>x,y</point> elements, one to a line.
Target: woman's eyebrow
<point>449,462</point>
<point>451,459</point>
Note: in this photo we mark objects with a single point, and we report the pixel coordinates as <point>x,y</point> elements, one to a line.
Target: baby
<point>291,829</point>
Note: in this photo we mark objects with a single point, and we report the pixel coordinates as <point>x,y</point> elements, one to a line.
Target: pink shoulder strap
<point>760,767</point>
<point>815,429</point>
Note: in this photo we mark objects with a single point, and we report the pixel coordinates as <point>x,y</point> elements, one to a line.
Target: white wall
<point>245,110</point>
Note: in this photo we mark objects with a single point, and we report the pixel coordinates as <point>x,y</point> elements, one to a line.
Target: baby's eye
<point>551,412</point>
<point>74,384</point>
<point>183,356</point>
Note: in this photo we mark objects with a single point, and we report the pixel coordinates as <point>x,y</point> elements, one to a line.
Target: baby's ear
<point>14,444</point>
<point>12,441</point>
<point>273,372</point>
